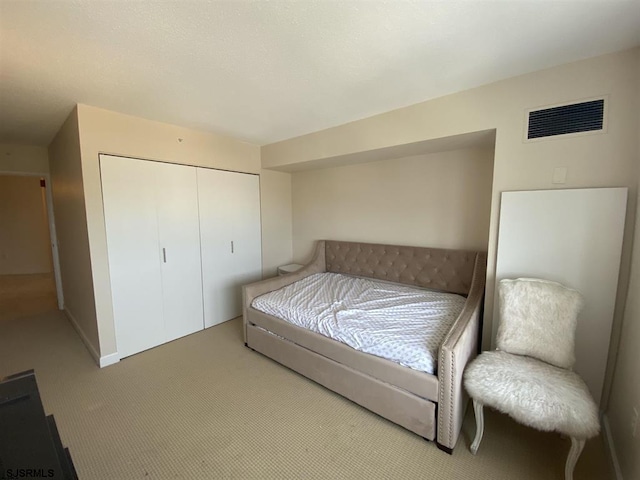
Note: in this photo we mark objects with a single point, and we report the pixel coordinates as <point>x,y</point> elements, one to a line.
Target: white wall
<point>438,200</point>
<point>24,236</point>
<point>275,200</point>
<point>71,227</point>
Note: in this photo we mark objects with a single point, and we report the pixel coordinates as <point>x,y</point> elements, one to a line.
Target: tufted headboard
<point>441,269</point>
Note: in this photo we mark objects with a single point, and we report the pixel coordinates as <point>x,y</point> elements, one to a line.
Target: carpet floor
<point>206,407</point>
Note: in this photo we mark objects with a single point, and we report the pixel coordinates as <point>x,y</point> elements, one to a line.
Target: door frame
<point>53,238</point>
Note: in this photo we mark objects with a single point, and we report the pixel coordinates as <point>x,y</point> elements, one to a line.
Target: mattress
<point>403,324</point>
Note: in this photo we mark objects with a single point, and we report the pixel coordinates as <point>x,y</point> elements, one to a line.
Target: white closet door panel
<point>179,234</point>
<point>216,217</point>
<point>129,198</point>
<point>227,201</point>
<point>247,235</point>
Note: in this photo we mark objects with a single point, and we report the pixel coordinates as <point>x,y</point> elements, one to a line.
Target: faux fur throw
<point>538,318</point>
<point>533,393</point>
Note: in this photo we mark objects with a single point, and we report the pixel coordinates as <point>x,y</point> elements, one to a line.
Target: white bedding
<point>403,324</point>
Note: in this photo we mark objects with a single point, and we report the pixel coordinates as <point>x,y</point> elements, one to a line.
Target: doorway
<point>29,270</point>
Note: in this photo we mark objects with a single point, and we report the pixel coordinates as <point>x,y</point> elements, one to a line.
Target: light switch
<point>560,175</point>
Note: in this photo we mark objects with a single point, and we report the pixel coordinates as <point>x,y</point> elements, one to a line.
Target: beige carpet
<point>207,407</point>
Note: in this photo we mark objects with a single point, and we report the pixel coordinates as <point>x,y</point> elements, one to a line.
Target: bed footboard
<point>458,348</point>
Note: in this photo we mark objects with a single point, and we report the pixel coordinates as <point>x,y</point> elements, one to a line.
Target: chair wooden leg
<point>479,414</point>
<point>572,458</point>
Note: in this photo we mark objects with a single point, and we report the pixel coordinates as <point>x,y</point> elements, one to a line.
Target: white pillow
<point>538,318</point>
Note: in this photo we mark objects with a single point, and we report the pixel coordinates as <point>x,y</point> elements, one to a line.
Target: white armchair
<point>529,377</point>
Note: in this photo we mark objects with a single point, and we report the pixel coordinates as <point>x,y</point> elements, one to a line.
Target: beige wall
<point>600,160</point>
<point>24,236</point>
<point>625,390</point>
<point>438,200</point>
<point>275,200</point>
<point>103,131</point>
<point>71,228</point>
<point>23,159</point>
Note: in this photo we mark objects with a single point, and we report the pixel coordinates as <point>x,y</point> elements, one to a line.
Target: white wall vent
<point>568,119</point>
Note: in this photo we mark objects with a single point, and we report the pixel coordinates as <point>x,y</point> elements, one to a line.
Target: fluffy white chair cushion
<point>533,393</point>
<point>538,318</point>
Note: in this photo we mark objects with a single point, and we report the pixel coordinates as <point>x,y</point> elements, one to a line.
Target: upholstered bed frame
<point>432,406</point>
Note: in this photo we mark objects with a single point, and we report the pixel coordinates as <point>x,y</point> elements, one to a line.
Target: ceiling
<point>267,71</point>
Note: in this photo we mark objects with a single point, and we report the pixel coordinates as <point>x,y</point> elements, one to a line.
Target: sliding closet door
<point>179,239</point>
<point>229,206</point>
<point>129,197</point>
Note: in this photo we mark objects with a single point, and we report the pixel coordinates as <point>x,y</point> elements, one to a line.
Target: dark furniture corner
<point>30,445</point>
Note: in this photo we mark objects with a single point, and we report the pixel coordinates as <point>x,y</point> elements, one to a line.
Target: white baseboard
<point>611,449</point>
<point>100,361</point>
<point>109,359</point>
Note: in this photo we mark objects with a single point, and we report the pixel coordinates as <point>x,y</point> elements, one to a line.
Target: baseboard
<point>100,361</point>
<point>109,360</point>
<point>610,447</point>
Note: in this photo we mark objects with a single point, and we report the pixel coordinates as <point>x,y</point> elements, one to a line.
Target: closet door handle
<point>164,255</point>
<point>231,246</point>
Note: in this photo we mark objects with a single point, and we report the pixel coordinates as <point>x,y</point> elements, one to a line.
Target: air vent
<point>566,119</point>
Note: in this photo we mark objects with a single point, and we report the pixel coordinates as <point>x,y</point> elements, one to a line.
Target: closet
<point>177,249</point>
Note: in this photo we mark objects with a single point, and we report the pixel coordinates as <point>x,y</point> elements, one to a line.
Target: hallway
<point>27,281</point>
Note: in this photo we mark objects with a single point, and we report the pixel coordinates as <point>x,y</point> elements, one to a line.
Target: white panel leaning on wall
<point>573,237</point>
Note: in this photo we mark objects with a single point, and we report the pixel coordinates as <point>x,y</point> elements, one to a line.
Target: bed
<point>393,369</point>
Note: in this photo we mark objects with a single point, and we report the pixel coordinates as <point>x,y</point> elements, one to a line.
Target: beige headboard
<point>448,270</point>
